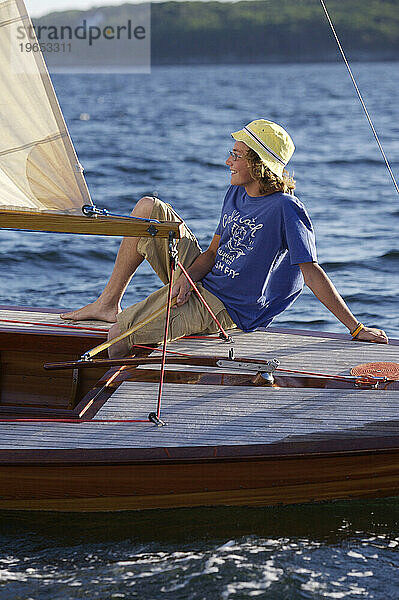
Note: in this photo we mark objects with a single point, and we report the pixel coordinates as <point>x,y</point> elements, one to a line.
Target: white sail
<point>39,169</point>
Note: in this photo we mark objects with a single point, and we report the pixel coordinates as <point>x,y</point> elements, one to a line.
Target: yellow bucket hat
<point>270,142</point>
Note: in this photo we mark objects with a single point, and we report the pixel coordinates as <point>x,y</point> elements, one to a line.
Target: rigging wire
<point>173,265</point>
<point>360,96</point>
<point>225,336</point>
<point>91,210</point>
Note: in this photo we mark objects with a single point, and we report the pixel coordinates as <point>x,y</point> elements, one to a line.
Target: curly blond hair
<point>268,181</point>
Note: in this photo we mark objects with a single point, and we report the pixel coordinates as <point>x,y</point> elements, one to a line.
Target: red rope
<point>202,299</point>
<point>74,421</point>
<point>54,325</point>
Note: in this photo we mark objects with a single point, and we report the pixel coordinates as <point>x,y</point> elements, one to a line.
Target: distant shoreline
<point>252,32</point>
<point>355,58</point>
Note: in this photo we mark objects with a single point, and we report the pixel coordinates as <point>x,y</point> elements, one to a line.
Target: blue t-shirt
<point>263,239</point>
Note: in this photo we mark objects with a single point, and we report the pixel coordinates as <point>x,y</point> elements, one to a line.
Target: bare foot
<point>96,311</point>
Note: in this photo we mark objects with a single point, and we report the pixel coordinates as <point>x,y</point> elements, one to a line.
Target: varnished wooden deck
<point>212,415</point>
<point>207,415</point>
<point>308,351</point>
<point>48,322</point>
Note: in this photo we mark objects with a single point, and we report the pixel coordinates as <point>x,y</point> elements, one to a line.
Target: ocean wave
<point>349,162</point>
<point>371,262</point>
<point>340,264</point>
<point>367,297</point>
<point>29,257</point>
<point>130,169</point>
<point>390,255</point>
<point>58,257</point>
<point>205,163</point>
<point>239,567</point>
<point>304,323</point>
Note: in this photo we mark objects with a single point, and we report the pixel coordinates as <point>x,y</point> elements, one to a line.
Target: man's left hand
<point>372,334</point>
<point>181,290</point>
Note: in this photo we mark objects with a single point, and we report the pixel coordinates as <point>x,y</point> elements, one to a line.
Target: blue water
<point>168,133</point>
<point>335,550</point>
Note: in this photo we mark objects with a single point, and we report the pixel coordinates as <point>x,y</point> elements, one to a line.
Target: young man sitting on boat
<point>261,254</point>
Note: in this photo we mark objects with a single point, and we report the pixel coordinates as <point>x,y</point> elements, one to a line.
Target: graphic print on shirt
<point>242,232</point>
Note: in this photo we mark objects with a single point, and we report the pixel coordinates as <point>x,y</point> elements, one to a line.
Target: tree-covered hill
<point>264,30</point>
<point>268,30</point>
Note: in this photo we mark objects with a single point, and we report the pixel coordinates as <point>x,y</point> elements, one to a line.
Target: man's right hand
<point>181,290</point>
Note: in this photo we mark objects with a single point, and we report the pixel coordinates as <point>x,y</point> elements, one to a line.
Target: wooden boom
<point>99,225</point>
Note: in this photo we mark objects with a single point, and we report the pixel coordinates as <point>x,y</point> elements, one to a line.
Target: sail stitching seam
<point>36,143</point>
<point>11,21</point>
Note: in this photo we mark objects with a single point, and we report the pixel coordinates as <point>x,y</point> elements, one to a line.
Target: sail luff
<point>53,100</point>
<point>39,168</point>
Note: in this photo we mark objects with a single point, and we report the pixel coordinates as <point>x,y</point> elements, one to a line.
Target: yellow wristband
<point>356,331</point>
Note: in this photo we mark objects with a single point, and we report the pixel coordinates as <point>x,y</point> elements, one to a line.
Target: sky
<point>37,8</point>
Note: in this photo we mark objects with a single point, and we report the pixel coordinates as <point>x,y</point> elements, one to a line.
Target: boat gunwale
<point>335,447</point>
<point>82,333</point>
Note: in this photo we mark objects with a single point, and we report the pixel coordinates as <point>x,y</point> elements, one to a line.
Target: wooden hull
<point>171,484</point>
<point>227,442</point>
<point>25,387</point>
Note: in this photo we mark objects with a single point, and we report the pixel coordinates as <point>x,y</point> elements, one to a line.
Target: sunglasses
<point>234,155</point>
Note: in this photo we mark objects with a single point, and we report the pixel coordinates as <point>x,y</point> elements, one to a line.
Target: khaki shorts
<point>192,317</point>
